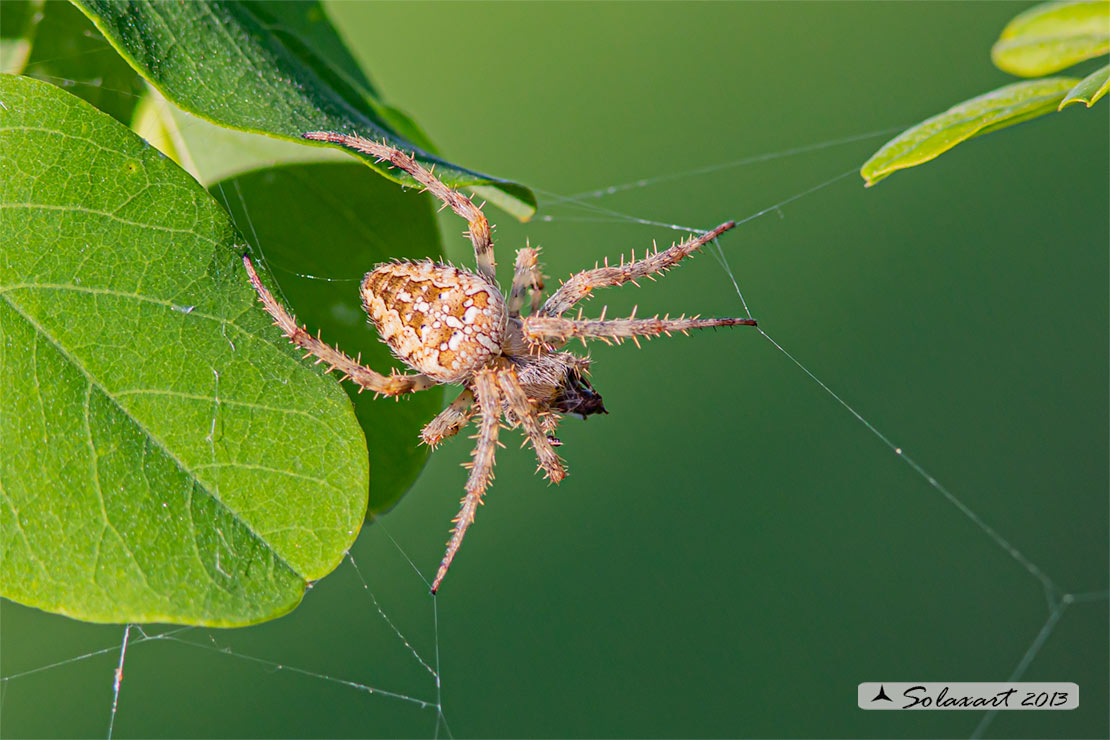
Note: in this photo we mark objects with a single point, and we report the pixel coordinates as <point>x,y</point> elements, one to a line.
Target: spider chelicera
<point>454,326</point>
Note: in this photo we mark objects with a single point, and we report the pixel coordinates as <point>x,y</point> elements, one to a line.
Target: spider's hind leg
<point>364,377</point>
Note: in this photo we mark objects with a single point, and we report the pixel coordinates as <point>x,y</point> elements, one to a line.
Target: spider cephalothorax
<point>454,326</point>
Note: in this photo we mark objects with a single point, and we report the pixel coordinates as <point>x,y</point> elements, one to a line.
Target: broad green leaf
<point>69,52</point>
<point>361,220</point>
<point>1053,36</point>
<point>1090,88</point>
<point>211,153</point>
<point>305,25</point>
<point>224,61</point>
<point>997,109</point>
<point>166,455</point>
<point>19,20</point>
<point>73,54</point>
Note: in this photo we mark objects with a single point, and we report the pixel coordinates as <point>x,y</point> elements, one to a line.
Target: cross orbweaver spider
<point>452,325</point>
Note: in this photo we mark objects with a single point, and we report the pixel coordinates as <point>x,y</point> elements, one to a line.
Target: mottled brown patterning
<point>440,320</point>
<point>452,325</point>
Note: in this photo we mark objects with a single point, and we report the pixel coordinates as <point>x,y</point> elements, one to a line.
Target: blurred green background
<point>733,552</point>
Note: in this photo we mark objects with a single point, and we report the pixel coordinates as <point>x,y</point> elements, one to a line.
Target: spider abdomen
<point>440,320</point>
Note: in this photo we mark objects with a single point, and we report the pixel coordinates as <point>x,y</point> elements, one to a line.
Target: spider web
<point>1057,599</point>
<point>114,680</point>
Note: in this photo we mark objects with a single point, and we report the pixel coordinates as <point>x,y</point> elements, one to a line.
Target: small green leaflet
<point>1090,88</point>
<point>980,115</point>
<point>1053,36</point>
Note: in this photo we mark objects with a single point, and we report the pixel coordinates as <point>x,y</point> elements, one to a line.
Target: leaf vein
<point>114,217</point>
<point>150,436</point>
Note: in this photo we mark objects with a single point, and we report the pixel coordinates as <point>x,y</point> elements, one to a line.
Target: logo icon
<point>972,696</point>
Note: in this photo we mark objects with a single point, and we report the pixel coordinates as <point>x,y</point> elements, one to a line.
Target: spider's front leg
<point>479,233</point>
<point>580,285</point>
<point>526,278</point>
<point>364,377</point>
<point>555,330</point>
<point>481,466</point>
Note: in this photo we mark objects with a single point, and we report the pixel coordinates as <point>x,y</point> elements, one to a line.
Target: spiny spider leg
<point>448,422</point>
<point>524,412</point>
<point>549,423</point>
<point>364,377</point>
<point>526,277</point>
<point>481,467</point>
<point>580,285</point>
<point>555,330</point>
<point>479,232</point>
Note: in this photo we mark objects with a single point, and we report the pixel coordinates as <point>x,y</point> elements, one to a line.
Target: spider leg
<point>555,330</point>
<point>364,377</point>
<point>481,467</point>
<point>526,278</point>
<point>549,422</point>
<point>479,233</point>
<point>524,412</point>
<point>580,285</point>
<point>448,422</point>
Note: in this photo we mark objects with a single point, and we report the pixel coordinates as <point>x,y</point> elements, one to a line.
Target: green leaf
<point>362,220</point>
<point>1090,88</point>
<point>304,27</point>
<point>19,20</point>
<point>69,52</point>
<point>1053,36</point>
<point>167,456</point>
<point>994,110</point>
<point>234,65</point>
<point>211,153</point>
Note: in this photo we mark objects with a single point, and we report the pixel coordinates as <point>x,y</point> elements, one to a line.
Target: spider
<point>453,326</point>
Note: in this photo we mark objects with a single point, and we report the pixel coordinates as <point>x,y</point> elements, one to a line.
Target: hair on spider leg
<point>452,325</point>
